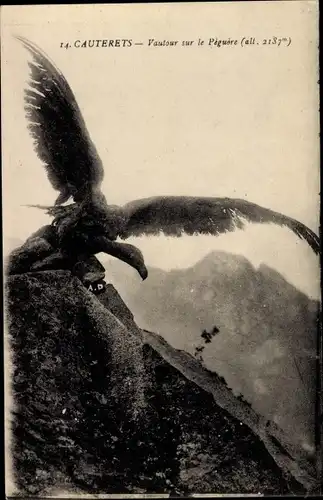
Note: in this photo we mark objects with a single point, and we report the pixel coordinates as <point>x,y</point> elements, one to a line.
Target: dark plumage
<point>56,124</point>
<point>90,225</point>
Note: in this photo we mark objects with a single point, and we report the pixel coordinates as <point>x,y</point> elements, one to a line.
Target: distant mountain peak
<point>224,261</point>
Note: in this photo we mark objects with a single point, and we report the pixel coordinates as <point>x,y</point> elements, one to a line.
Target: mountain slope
<point>267,331</point>
<point>100,407</point>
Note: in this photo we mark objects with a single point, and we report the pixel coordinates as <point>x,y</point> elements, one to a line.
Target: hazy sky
<point>230,121</point>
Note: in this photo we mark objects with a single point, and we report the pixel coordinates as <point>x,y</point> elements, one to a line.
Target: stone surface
<point>89,270</point>
<point>41,252</point>
<point>98,409</point>
<point>32,251</point>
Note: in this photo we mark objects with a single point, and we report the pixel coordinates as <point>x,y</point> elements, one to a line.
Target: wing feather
<point>177,215</point>
<point>56,124</point>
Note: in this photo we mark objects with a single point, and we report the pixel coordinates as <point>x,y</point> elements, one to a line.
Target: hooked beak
<point>143,272</point>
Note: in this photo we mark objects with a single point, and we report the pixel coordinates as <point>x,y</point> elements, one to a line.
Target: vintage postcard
<point>161,249</point>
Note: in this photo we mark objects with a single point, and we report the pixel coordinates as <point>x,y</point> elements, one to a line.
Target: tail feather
<point>55,211</point>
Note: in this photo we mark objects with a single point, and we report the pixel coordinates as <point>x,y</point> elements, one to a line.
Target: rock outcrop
<point>100,406</point>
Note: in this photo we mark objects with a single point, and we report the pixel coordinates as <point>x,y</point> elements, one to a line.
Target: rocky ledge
<point>100,406</point>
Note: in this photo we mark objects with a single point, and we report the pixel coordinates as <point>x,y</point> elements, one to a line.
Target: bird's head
<point>129,254</point>
<point>137,261</point>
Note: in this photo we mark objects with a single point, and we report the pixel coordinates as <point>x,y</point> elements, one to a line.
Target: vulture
<point>88,225</point>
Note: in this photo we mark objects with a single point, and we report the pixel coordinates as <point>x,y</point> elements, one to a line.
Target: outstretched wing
<point>175,215</point>
<point>61,139</point>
